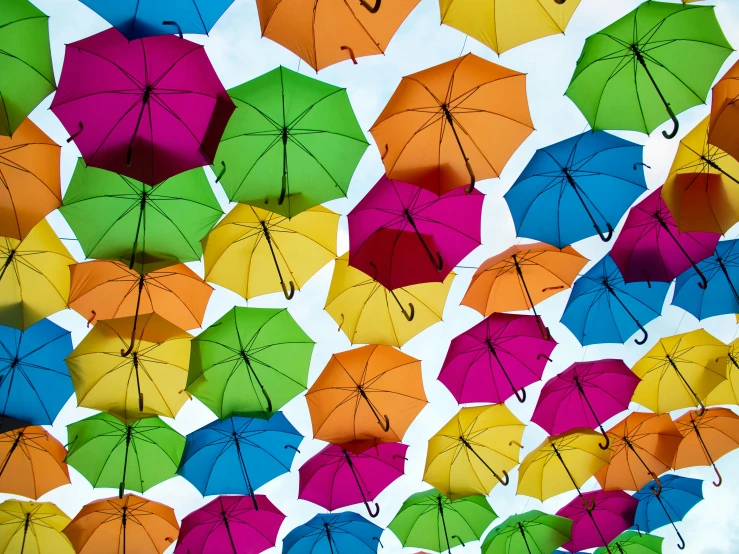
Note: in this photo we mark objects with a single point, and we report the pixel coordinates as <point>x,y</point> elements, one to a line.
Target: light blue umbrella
<point>344,533</point>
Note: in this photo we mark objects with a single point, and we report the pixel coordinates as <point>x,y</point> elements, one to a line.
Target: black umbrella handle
<point>681,545</point>
<point>174,24</point>
<point>222,172</point>
<point>408,314</point>
<point>370,8</point>
<point>559,1</point>
<point>638,324</point>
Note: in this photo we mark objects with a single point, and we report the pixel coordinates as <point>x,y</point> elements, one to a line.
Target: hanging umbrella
<point>291,155</point>
<point>653,63</point>
<point>724,113</point>
<point>253,251</point>
<point>251,362</point>
<point>403,235</point>
<point>727,392</point>
<point>148,109</point>
<point>613,513</point>
<point>432,521</point>
<point>25,63</point>
<point>369,393</point>
<point>474,451</point>
<point>529,533</point>
<point>483,104</point>
<point>369,313</point>
<point>591,178</point>
<point>604,309</point>
<point>495,358</point>
<point>130,524</point>
<point>33,528</point>
<point>630,542</point>
<point>333,534</point>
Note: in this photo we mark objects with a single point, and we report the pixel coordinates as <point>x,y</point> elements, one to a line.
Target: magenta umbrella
<point>402,235</point>
<point>585,395</point>
<point>651,248</point>
<point>148,109</point>
<point>494,359</point>
<point>230,525</point>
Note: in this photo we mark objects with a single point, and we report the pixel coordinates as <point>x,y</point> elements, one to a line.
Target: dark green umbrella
<point>655,62</point>
<point>529,533</point>
<point>633,542</point>
<point>292,143</point>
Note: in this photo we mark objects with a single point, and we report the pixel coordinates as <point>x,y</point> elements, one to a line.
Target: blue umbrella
<point>577,188</point>
<point>146,18</point>
<point>678,496</point>
<point>344,533</point>
<point>34,379</point>
<point>603,309</point>
<point>239,454</point>
<point>722,272</point>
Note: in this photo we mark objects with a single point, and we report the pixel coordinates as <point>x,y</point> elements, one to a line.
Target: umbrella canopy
<point>293,143</point>
<point>25,63</point>
<point>430,520</point>
<point>724,112</point>
<point>604,309</point>
<point>404,235</point>
<point>161,115</point>
<point>333,534</point>
<point>251,362</point>
<point>483,104</point>
<point>528,533</point>
<point>592,178</point>
<point>631,542</point>
<point>33,528</point>
<point>494,359</point>
<point>369,313</point>
<point>253,251</point>
<point>655,62</point>
<point>369,393</point>
<point>727,392</point>
<point>128,525</point>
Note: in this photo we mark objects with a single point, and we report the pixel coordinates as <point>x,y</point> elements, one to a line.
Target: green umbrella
<point>26,75</point>
<point>136,457</point>
<point>529,533</point>
<point>292,143</point>
<point>430,520</point>
<point>655,62</point>
<point>632,542</point>
<point>249,363</point>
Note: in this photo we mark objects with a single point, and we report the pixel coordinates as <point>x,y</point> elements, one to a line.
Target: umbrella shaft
<point>700,439</point>
<point>443,522</point>
<point>123,525</point>
<point>354,473</point>
<point>142,209</point>
<point>376,413</point>
<point>25,532</point>
<point>525,540</point>
<point>728,279</point>
<point>609,288</point>
<point>328,537</point>
<point>500,364</point>
<point>450,120</point>
<point>251,370</point>
<point>125,456</point>
<point>595,524</point>
<point>643,63</point>
<point>8,261</point>
<point>228,530</point>
<point>469,447</point>
<point>669,517</point>
<point>523,282</point>
<point>10,452</point>
<point>638,457</point>
<point>715,166</point>
<point>567,469</point>
<point>571,181</point>
<point>420,238</point>
<point>244,472</point>
<point>674,366</point>
<point>666,227</point>
<point>587,401</point>
<point>268,237</point>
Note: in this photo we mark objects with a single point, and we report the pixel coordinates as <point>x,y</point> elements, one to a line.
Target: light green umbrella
<point>533,532</point>
<point>632,542</point>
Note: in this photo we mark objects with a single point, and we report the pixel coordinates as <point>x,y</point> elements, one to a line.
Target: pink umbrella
<point>585,395</point>
<point>495,358</point>
<point>148,109</point>
<point>336,477</point>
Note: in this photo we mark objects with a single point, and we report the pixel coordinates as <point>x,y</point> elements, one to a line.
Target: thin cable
<point>464,44</point>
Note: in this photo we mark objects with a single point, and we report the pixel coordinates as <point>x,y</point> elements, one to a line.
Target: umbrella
<point>474,451</point>
<point>679,372</point>
<point>325,35</point>
<point>650,247</point>
<point>403,235</point>
<point>149,382</point>
<point>28,76</point>
<point>251,362</point>
<point>33,528</point>
<point>253,251</point>
<point>483,104</point>
<point>724,114</point>
<point>113,525</point>
<point>727,392</point>
<point>430,520</point>
<point>604,309</point>
<point>591,178</point>
<point>34,277</point>
<point>655,62</point>
<point>369,313</point>
<point>630,542</point>
<point>136,457</point>
<point>291,155</point>
<point>585,395</point>
<point>148,109</point>
<point>29,175</point>
<point>32,462</point>
<point>534,529</point>
<point>495,358</point>
<point>230,523</point>
<point>333,534</point>
<point>613,513</point>
<point>369,393</point>
<point>34,380</point>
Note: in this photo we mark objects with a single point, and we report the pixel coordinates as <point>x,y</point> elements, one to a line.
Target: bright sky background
<point>239,54</point>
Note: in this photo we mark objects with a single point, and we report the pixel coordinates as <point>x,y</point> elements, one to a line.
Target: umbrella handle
<point>559,1</point>
<point>511,443</point>
<point>379,541</point>
<point>604,238</point>
<point>141,402</point>
<point>459,539</point>
<point>589,506</point>
<point>221,173</point>
<point>558,287</point>
<point>291,446</point>
<point>642,164</point>
<point>701,408</point>
<point>607,445</point>
<point>175,24</point>
<point>669,136</point>
<point>658,490</point>
<point>471,187</point>
<point>540,356</point>
<point>720,479</point>
<point>644,338</point>
<point>289,295</point>
<point>341,324</point>
<point>501,481</point>
<point>681,546</point>
<point>269,400</point>
<point>351,54</point>
<point>385,427</point>
<point>283,191</point>
<point>74,136</point>
<point>522,396</point>
<point>371,9</point>
<point>410,316</point>
<point>94,315</point>
<point>440,264</point>
<point>369,509</point>
<point>704,282</point>
<point>127,351</point>
<point>121,488</point>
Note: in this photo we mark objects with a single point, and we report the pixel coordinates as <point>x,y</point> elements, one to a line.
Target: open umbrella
<point>333,534</point>
<point>613,513</point>
<point>528,533</point>
<point>724,113</point>
<point>33,528</point>
<point>727,392</point>
<point>631,542</point>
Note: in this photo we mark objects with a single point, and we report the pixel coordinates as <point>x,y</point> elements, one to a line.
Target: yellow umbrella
<point>371,314</point>
<point>253,252</point>
<point>727,392</point>
<point>680,371</point>
<point>34,277</point>
<point>148,382</point>
<point>474,451</point>
<point>33,528</point>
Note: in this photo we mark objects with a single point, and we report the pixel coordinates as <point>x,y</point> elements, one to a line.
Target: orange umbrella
<point>725,113</point>
<point>370,393</point>
<point>118,525</point>
<point>643,446</point>
<point>454,123</point>
<point>323,33</point>
<point>30,186</point>
<point>32,462</point>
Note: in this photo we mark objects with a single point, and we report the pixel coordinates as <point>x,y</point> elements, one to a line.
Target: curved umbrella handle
<point>175,24</point>
<point>642,164</point>
<point>645,337</point>
<point>559,1</point>
<point>540,356</point>
<point>471,186</point>
<point>669,136</point>
<point>351,54</point>
<point>127,351</point>
<point>589,506</point>
<point>604,238</point>
<point>291,446</point>
<point>283,191</point>
<point>222,172</point>
<point>141,402</point>
<point>720,479</point>
<point>459,539</point>
<point>74,136</point>
<point>701,407</point>
<point>269,400</point>
<point>607,445</point>
<point>522,396</point>
<point>409,316</point>
<point>341,324</point>
<point>94,315</point>
<point>704,282</point>
<point>511,443</point>
<point>289,295</point>
<point>371,9</point>
<point>501,481</point>
<point>558,287</point>
<point>658,489</point>
<point>385,427</point>
<point>369,510</point>
<point>681,546</point>
<point>379,541</point>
